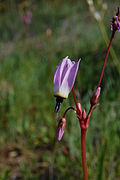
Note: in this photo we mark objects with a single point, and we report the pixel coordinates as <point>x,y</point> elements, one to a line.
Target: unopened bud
<point>79,109</point>
<point>83,114</point>
<point>61,128</point>
<point>95,96</point>
<point>115,23</point>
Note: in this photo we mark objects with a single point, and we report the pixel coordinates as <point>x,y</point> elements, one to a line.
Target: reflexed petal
<point>69,78</point>
<point>73,73</point>
<point>58,72</point>
<point>56,80</point>
<point>64,68</point>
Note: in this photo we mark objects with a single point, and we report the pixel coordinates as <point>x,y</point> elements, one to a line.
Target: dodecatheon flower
<point>115,23</point>
<point>61,128</point>
<point>64,78</point>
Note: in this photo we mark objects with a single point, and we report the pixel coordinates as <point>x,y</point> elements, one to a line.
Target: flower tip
<point>79,61</point>
<point>98,91</point>
<point>66,57</point>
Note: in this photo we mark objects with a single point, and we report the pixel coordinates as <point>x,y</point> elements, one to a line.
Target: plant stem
<point>70,108</point>
<point>103,68</point>
<point>83,150</point>
<point>75,100</point>
<point>112,52</point>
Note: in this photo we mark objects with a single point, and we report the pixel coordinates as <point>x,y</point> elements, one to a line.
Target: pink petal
<point>60,133</point>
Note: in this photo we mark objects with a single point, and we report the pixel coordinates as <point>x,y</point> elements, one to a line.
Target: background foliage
<point>28,57</point>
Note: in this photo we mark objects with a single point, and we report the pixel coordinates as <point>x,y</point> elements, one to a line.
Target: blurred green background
<point>29,54</point>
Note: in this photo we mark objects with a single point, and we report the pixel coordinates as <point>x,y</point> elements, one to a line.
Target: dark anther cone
<point>59,100</point>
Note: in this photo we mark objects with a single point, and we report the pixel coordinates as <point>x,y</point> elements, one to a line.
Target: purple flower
<point>115,23</point>
<point>26,19</point>
<point>61,128</point>
<point>64,78</point>
<point>118,23</point>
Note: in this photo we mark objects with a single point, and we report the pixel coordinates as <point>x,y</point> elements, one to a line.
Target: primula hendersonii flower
<point>61,128</point>
<point>64,78</point>
<point>115,23</point>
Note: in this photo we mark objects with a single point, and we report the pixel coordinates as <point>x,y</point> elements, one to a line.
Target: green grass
<point>27,119</point>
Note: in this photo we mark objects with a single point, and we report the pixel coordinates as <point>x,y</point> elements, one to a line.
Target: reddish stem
<point>83,131</point>
<point>88,116</point>
<point>103,68</point>
<point>75,100</point>
<point>83,150</point>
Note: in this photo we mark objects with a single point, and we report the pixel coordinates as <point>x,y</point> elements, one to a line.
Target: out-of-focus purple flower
<point>26,19</point>
<point>115,23</point>
<point>61,128</point>
<point>95,96</point>
<point>64,78</point>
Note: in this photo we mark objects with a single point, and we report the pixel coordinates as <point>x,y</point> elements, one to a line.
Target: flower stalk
<point>64,79</point>
<point>84,121</point>
<point>83,150</point>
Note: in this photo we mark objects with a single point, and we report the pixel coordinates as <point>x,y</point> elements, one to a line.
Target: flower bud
<point>115,23</point>
<point>95,96</point>
<point>79,109</point>
<point>83,114</point>
<point>61,128</point>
